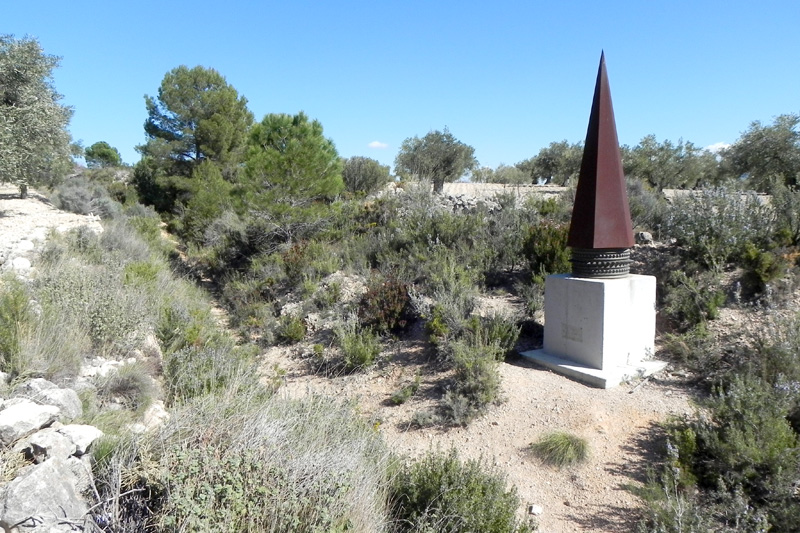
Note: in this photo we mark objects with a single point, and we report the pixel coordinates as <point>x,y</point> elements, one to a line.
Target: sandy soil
<point>24,225</point>
<point>620,424</point>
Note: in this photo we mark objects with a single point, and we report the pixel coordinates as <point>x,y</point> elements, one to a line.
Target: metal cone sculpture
<point>600,233</point>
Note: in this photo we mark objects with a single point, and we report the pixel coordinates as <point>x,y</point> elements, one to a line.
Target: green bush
<point>786,202</point>
<point>291,329</point>
<point>402,396</point>
<point>359,346</point>
<point>691,301</point>
<point>714,225</point>
<point>309,260</point>
<point>78,195</point>
<point>761,268</point>
<point>746,444</point>
<point>441,493</point>
<point>198,371</point>
<point>647,206</point>
<point>545,249</point>
<point>130,384</point>
<point>16,319</point>
<point>476,383</point>
<point>243,461</point>
<point>561,448</point>
<point>496,330</point>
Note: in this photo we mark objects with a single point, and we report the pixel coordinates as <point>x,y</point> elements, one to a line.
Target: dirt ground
<point>620,424</point>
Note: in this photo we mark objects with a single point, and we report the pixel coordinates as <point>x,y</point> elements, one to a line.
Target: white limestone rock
<point>65,399</point>
<point>24,417</point>
<point>44,392</point>
<point>21,264</point>
<point>155,416</point>
<point>81,435</point>
<point>49,443</point>
<point>33,387</point>
<point>43,495</point>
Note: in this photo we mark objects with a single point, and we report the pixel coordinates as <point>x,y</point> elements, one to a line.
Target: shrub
<point>714,225</point>
<point>691,301</point>
<point>78,195</point>
<point>309,260</point>
<point>198,371</point>
<point>746,444</point>
<point>786,202</point>
<point>360,346</point>
<point>16,318</point>
<point>402,396</point>
<point>646,205</point>
<point>362,174</point>
<point>386,306</point>
<point>291,329</point>
<point>496,330</point>
<point>476,380</point>
<point>240,460</point>
<point>545,249</point>
<point>760,269</point>
<point>560,448</point>
<point>441,493</point>
<point>130,384</point>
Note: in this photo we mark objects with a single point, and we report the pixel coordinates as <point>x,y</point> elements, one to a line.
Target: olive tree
<point>438,156</point>
<point>35,145</point>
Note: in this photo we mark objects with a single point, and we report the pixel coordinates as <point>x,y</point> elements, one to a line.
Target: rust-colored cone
<point>601,217</point>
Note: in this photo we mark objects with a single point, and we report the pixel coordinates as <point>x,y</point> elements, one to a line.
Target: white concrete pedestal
<point>599,331</point>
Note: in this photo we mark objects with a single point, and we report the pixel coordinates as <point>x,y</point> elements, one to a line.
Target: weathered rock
<point>81,435</point>
<point>155,416</point>
<point>644,237</point>
<point>44,392</point>
<point>23,418</point>
<point>21,264</point>
<point>151,347</point>
<point>42,496</point>
<point>65,399</point>
<point>31,388</point>
<point>49,443</point>
<point>81,467</point>
<point>25,245</point>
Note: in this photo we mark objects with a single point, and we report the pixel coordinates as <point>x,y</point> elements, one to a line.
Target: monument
<point>600,320</point>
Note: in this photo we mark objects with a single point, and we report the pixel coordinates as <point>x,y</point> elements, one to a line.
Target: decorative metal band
<point>587,263</point>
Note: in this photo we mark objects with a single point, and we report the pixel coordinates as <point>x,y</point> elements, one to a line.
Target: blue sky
<point>506,77</point>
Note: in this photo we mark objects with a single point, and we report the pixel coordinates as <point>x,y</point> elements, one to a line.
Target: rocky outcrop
<point>41,498</point>
<point>43,392</point>
<point>47,494</point>
<point>21,417</point>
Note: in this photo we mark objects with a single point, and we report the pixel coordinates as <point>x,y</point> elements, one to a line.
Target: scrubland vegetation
<point>269,212</point>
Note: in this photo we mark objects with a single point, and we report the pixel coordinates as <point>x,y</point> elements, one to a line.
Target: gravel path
<point>620,424</point>
<point>25,224</point>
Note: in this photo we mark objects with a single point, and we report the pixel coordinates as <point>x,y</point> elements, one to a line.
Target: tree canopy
<point>505,174</point>
<point>363,174</point>
<point>35,146</point>
<point>665,165</point>
<point>768,152</point>
<point>554,164</point>
<point>102,155</point>
<point>197,116</point>
<point>291,162</point>
<point>438,156</point>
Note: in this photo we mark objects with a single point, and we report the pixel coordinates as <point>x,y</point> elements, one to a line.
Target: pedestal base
<point>599,331</point>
